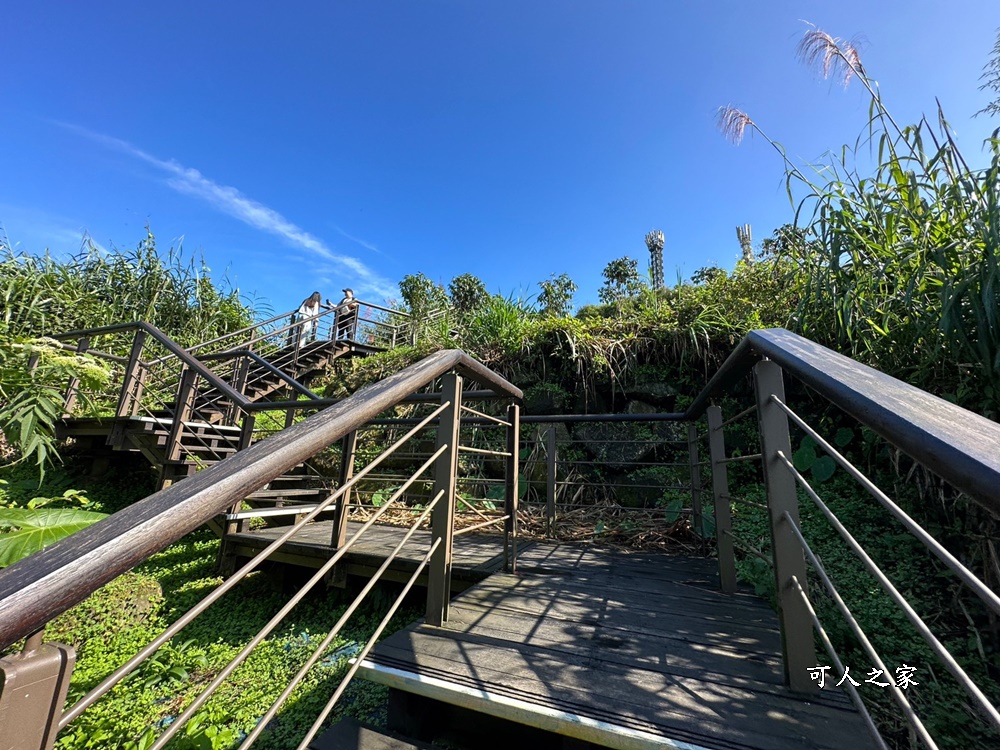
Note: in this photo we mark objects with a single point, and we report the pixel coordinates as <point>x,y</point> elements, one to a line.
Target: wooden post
<point>349,449</point>
<point>720,492</point>
<point>511,488</point>
<point>132,381</point>
<point>182,413</point>
<point>789,560</point>
<point>74,383</point>
<point>239,384</point>
<point>443,515</point>
<point>695,473</point>
<point>551,465</point>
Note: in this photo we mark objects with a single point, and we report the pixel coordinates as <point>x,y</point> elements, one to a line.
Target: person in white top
<point>307,316</point>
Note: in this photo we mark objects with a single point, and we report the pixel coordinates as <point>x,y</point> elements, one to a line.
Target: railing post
<point>789,561</point>
<point>695,473</point>
<point>443,516</point>
<point>349,449</point>
<point>74,383</point>
<point>511,488</point>
<point>131,391</point>
<point>551,466</point>
<point>239,384</point>
<point>182,413</point>
<point>720,492</point>
<point>33,687</point>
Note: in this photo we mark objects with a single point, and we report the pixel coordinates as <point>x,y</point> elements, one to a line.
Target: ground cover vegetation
<point>892,257</point>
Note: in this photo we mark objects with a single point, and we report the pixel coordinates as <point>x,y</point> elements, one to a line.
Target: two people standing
<point>346,318</point>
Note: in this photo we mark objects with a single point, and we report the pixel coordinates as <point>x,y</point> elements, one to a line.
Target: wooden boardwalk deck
<point>474,556</point>
<point>624,650</point>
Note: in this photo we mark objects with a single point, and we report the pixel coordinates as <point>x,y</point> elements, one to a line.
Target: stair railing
<point>958,446</point>
<point>48,583</point>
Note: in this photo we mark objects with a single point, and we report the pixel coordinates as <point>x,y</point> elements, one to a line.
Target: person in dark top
<point>347,316</point>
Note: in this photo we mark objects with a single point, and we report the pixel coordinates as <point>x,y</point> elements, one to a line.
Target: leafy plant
<point>24,531</point>
<point>33,376</point>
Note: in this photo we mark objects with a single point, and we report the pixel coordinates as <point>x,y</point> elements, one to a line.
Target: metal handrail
<point>897,694</point>
<point>48,583</point>
<point>937,647</point>
<point>958,445</point>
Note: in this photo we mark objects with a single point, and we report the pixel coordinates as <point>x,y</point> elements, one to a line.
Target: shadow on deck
<point>620,649</point>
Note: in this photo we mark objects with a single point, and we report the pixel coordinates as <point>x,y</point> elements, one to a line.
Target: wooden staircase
<point>207,431</point>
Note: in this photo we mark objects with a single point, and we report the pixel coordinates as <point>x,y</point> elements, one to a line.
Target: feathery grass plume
<point>733,123</point>
<point>831,55</point>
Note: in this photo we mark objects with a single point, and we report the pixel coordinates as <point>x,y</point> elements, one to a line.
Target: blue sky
<point>302,146</point>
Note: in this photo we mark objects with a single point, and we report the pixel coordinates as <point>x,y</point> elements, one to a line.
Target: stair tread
<point>349,734</point>
<point>288,493</point>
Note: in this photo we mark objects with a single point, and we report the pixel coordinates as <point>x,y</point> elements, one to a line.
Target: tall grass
<point>904,272</point>
<point>43,295</point>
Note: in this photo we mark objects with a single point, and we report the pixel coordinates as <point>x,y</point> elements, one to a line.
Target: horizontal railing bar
<point>484,524</point>
<point>570,483</point>
<point>736,459</point>
<point>744,501</point>
<point>466,503</point>
<point>236,353</point>
<point>359,659</point>
<point>481,451</point>
<point>110,681</point>
<point>542,502</point>
<point>897,694</point>
<point>497,420</point>
<point>547,418</point>
<point>748,548</point>
<point>970,579</point>
<point>832,652</point>
<point>96,353</point>
<point>643,441</point>
<point>234,334</point>
<point>338,626</point>
<point>970,687</point>
<point>736,418</point>
<point>665,464</point>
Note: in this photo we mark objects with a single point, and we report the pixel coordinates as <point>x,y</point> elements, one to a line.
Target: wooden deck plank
<point>475,556</point>
<point>626,649</point>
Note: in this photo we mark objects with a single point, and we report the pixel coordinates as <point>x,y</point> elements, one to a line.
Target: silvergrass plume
<point>733,123</point>
<point>832,56</point>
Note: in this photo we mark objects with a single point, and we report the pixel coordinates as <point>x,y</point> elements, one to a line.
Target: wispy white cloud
<point>357,240</point>
<point>231,201</point>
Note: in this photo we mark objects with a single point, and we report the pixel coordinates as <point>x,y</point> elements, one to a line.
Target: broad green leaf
<point>843,437</point>
<point>33,529</point>
<point>823,468</point>
<point>673,508</point>
<point>804,458</point>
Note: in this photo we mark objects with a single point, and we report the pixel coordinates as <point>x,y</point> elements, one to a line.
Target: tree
<point>422,295</point>
<point>621,280</point>
<point>991,80</point>
<point>468,293</point>
<point>556,296</point>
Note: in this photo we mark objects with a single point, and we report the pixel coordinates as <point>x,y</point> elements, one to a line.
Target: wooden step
<point>349,734</point>
<point>261,494</point>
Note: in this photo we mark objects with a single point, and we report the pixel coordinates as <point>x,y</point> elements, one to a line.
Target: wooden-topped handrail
<point>958,445</point>
<point>36,589</point>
